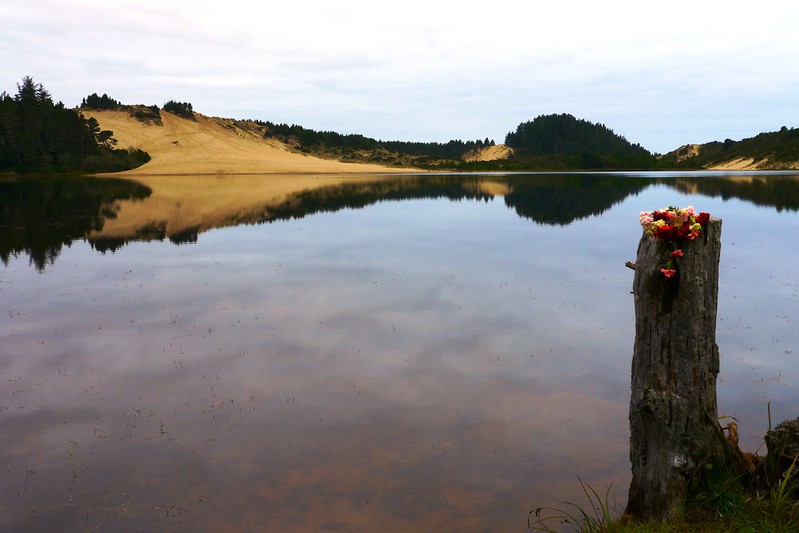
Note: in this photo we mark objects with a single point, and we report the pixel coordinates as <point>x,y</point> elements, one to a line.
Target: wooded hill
<point>562,141</point>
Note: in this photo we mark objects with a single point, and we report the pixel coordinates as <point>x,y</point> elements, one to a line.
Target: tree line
<point>309,139</point>
<point>550,142</point>
<point>40,135</point>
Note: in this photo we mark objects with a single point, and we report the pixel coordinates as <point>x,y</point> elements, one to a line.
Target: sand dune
<point>741,163</point>
<point>211,172</point>
<point>490,153</point>
<point>213,146</point>
<point>748,163</point>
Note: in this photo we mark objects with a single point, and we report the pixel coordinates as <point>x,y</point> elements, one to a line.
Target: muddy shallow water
<point>431,353</point>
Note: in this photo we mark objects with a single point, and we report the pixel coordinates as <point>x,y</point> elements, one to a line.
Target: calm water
<point>423,353</point>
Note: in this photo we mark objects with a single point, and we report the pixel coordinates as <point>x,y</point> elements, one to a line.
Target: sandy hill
<point>775,150</point>
<point>489,153</point>
<point>207,145</point>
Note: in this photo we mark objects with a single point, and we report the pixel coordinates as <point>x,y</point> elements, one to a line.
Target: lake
<point>385,353</point>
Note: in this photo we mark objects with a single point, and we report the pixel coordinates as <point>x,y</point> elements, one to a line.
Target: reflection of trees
<point>563,198</point>
<point>40,216</point>
<point>557,199</point>
<point>544,198</point>
<point>780,192</point>
<point>362,194</point>
<point>152,231</point>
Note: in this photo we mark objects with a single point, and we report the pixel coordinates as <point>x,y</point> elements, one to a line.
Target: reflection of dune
<point>492,188</point>
<point>780,191</point>
<point>198,203</point>
<point>180,207</point>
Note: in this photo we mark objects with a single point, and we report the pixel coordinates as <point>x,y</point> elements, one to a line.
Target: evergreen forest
<point>561,141</point>
<point>42,136</point>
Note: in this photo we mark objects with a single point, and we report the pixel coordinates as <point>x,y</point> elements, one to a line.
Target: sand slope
<point>213,146</point>
<point>748,163</point>
<point>489,153</point>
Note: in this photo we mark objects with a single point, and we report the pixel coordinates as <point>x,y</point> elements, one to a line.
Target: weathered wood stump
<point>674,429</point>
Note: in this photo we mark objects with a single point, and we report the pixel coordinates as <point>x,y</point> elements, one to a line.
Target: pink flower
<point>676,253</point>
<point>668,272</point>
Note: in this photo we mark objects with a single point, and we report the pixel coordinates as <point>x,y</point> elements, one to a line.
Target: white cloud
<point>425,70</point>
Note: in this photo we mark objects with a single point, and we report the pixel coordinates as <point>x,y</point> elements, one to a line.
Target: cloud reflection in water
<point>423,364</point>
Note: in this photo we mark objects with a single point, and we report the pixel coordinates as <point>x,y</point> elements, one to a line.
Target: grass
<point>575,517</point>
<point>722,506</point>
<point>724,502</point>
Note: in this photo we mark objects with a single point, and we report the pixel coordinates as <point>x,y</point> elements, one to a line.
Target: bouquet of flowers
<point>674,226</point>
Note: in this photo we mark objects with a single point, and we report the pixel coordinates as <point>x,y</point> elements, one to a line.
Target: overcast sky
<point>662,74</point>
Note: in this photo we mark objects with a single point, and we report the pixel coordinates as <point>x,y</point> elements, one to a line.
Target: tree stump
<point>674,429</point>
<point>782,443</point>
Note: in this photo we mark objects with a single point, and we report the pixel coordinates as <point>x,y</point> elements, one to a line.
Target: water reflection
<point>40,216</point>
<point>780,191</point>
<point>424,364</point>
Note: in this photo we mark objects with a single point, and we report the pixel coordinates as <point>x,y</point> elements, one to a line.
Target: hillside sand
<point>214,146</point>
<point>489,153</point>
<point>741,163</point>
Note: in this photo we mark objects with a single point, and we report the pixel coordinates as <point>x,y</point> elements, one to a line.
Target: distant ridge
<point>181,141</point>
<point>778,150</point>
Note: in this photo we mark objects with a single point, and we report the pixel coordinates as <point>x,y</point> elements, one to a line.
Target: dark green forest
<point>95,101</point>
<point>181,109</point>
<point>354,145</point>
<point>40,135</point>
<point>562,141</point>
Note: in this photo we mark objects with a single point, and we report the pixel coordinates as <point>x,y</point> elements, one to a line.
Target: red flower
<point>682,232</point>
<point>676,253</point>
<point>668,272</point>
<point>664,232</point>
<point>703,218</point>
<point>668,216</point>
